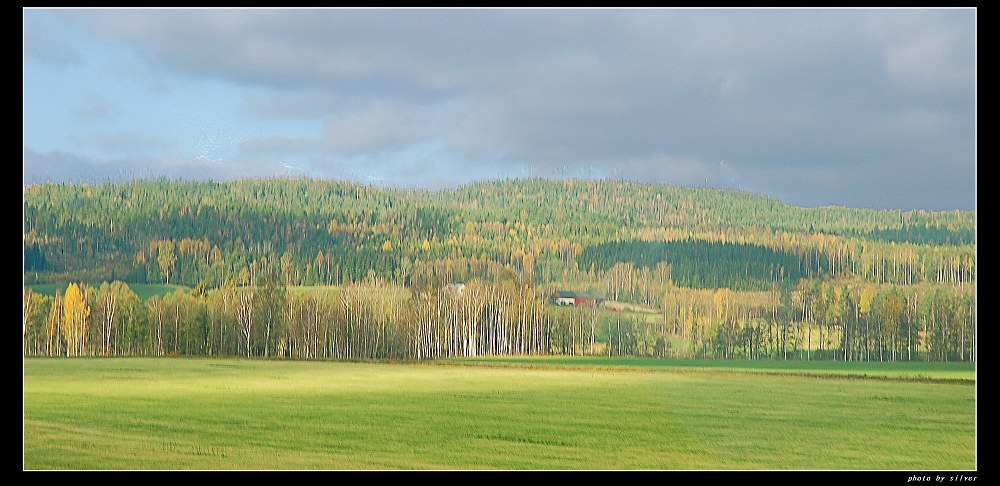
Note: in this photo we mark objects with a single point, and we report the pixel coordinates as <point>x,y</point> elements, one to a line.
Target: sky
<point>854,107</point>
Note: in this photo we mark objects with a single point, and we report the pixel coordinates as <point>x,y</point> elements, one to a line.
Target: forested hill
<point>321,231</point>
<point>658,206</point>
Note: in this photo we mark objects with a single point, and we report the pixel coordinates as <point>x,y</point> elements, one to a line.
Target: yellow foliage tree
<point>723,301</point>
<point>75,314</point>
<point>865,302</point>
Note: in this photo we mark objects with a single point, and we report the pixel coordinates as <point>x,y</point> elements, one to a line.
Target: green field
<point>150,413</point>
<point>313,289</point>
<point>143,291</point>
<point>898,370</point>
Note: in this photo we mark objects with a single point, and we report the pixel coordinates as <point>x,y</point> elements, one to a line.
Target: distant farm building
<point>567,297</point>
<point>455,289</point>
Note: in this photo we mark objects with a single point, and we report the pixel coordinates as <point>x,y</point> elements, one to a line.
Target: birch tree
<point>76,310</point>
<point>53,326</point>
<point>245,308</point>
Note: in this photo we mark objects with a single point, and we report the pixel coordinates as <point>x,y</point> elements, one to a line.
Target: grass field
<point>902,370</point>
<point>143,291</point>
<point>313,289</point>
<point>167,413</point>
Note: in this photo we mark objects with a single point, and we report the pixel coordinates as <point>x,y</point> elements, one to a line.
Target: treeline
<point>240,244</point>
<point>330,232</point>
<point>826,320</point>
<point>698,209</point>
<point>372,319</point>
<point>375,319</point>
<point>923,234</point>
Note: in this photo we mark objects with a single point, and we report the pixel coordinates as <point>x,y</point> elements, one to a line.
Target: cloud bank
<point>856,107</point>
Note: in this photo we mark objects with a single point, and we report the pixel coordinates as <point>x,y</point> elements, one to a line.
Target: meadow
<point>932,371</point>
<point>143,290</point>
<point>539,414</point>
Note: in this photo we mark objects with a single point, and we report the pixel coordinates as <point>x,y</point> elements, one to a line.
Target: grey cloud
<point>867,186</point>
<point>55,166</point>
<point>50,50</point>
<point>378,127</point>
<point>661,94</point>
<point>64,166</point>
<point>295,104</point>
<point>928,52</point>
<point>43,42</point>
<point>931,64</point>
<point>381,127</point>
<point>273,48</point>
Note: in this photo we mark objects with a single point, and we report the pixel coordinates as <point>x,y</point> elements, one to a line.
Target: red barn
<point>567,297</point>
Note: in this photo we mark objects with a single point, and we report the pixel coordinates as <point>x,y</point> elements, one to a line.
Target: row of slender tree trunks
<point>375,319</point>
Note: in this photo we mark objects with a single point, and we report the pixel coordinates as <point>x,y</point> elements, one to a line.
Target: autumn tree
<point>890,312</point>
<point>76,310</point>
<point>221,304</point>
<point>155,310</point>
<point>834,309</point>
<point>246,307</point>
<point>270,307</point>
<point>107,307</point>
<point>26,310</point>
<point>53,326</point>
<point>185,313</point>
<point>36,309</point>
<point>131,333</point>
<point>166,258</point>
<point>865,302</point>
